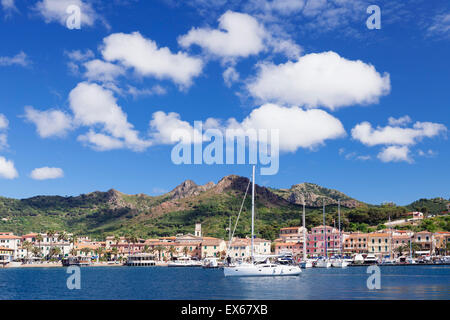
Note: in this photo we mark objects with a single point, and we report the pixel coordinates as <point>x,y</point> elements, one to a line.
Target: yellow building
<point>212,247</point>
<point>378,243</point>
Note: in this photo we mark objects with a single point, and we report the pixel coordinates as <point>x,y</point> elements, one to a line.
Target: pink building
<point>316,241</point>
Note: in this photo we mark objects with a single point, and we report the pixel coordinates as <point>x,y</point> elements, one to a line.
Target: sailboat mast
<point>390,238</point>
<point>325,230</point>
<point>253,211</point>
<point>304,231</point>
<point>339,226</point>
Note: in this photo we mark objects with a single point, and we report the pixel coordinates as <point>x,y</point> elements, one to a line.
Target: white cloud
<point>363,158</point>
<point>9,7</point>
<point>7,169</point>
<point>440,26</point>
<point>155,90</point>
<point>395,154</point>
<point>298,128</point>
<point>20,59</point>
<point>319,79</point>
<point>97,70</point>
<point>55,11</point>
<point>163,128</point>
<point>93,105</point>
<point>399,121</point>
<point>4,123</point>
<point>286,6</point>
<point>238,35</point>
<point>100,141</point>
<point>135,51</point>
<point>46,173</point>
<point>49,123</point>
<point>396,135</point>
<point>230,75</point>
<point>78,55</point>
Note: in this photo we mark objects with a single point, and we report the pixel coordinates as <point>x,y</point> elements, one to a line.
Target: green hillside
<point>102,213</point>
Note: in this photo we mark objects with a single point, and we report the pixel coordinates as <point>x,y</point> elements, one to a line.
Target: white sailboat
<point>324,262</point>
<point>254,269</point>
<point>306,263</point>
<point>340,262</point>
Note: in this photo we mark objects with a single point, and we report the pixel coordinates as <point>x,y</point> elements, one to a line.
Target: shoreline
<point>97,265</point>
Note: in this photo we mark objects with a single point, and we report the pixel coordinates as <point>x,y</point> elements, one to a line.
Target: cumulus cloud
<point>238,35</point>
<point>7,169</point>
<point>319,79</point>
<point>144,56</point>
<point>55,11</point>
<point>46,173</point>
<point>396,135</point>
<point>395,154</point>
<point>230,75</point>
<point>92,105</point>
<point>298,128</point>
<point>20,59</point>
<point>168,128</point>
<point>97,70</point>
<point>49,123</point>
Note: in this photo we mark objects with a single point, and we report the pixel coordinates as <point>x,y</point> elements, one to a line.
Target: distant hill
<point>112,212</point>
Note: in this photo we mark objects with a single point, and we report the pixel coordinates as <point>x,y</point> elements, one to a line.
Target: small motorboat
<point>323,263</point>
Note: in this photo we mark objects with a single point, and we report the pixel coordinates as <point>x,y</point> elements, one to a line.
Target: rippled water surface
<point>409,282</point>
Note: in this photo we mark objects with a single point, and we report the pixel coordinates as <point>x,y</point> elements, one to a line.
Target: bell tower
<point>198,229</point>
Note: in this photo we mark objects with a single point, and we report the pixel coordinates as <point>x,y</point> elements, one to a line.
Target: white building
<point>9,241</point>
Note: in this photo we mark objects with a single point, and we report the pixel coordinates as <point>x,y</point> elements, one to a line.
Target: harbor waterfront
<point>399,282</point>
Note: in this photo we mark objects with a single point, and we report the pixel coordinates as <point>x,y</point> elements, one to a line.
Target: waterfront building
<point>212,247</point>
<point>425,241</point>
<point>291,234</point>
<point>356,243</point>
<point>316,241</point>
<point>441,241</point>
<point>6,255</point>
<point>10,241</point>
<point>295,249</point>
<point>379,243</point>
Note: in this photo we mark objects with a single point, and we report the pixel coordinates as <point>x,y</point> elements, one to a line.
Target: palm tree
<point>27,246</point>
<point>50,234</point>
<point>62,236</point>
<point>73,252</point>
<point>36,251</point>
<point>99,252</point>
<point>115,252</point>
<point>56,251</point>
<point>172,251</point>
<point>39,239</point>
<point>159,248</point>
<point>86,251</point>
<point>185,251</point>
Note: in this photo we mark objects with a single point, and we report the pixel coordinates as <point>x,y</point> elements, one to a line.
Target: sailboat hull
<point>339,264</point>
<point>261,270</point>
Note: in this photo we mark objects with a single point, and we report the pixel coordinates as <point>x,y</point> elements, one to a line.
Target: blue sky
<point>362,111</point>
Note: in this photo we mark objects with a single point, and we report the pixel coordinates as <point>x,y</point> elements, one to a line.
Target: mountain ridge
<point>212,204</point>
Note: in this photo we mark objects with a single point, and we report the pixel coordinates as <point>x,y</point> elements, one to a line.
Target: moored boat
<point>254,269</point>
<point>184,262</point>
